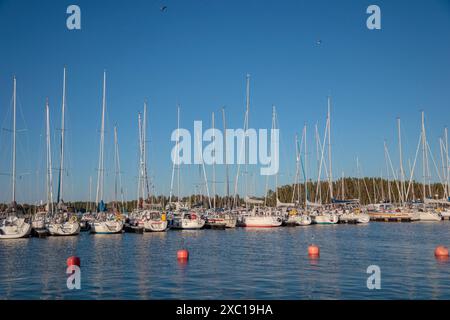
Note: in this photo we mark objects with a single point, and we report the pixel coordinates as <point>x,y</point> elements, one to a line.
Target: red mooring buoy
<point>73,261</point>
<point>183,254</point>
<point>441,252</point>
<point>313,251</point>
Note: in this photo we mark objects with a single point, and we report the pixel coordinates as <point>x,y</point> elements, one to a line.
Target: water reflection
<point>233,264</point>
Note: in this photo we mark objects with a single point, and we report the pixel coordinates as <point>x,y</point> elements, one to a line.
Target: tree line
<point>367,190</point>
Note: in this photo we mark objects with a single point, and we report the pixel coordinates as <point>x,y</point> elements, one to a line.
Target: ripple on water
<point>234,264</point>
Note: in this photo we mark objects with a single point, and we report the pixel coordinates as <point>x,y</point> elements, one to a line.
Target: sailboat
<point>153,220</point>
<point>297,216</point>
<point>260,216</point>
<point>63,223</point>
<point>182,217</point>
<point>325,214</point>
<point>425,213</point>
<point>14,225</point>
<point>104,223</point>
<point>39,220</point>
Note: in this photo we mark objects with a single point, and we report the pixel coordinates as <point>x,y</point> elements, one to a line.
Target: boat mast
<point>214,164</point>
<point>144,150</point>
<point>424,158</point>
<point>14,146</point>
<point>296,172</point>
<point>90,194</point>
<point>49,162</point>
<point>329,148</point>
<point>176,159</point>
<point>115,167</point>
<point>319,163</point>
<point>402,172</point>
<point>100,176</point>
<point>61,165</point>
<point>140,175</point>
<point>306,169</point>
<point>243,144</point>
<point>227,186</point>
<point>447,163</point>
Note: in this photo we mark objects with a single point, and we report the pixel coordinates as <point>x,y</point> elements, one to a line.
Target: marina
<point>208,150</point>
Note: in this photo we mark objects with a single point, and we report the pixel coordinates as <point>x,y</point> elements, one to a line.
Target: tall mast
<point>359,179</point>
<point>61,165</point>
<point>296,172</point>
<point>318,189</point>
<point>214,164</point>
<point>247,148</point>
<point>447,162</point>
<point>178,135</point>
<point>306,170</point>
<point>90,193</point>
<point>243,144</point>
<point>227,186</point>
<point>14,145</point>
<point>49,162</point>
<point>274,126</point>
<point>424,158</point>
<point>100,176</point>
<point>144,150</point>
<point>402,172</point>
<point>140,175</point>
<point>329,148</point>
<point>115,167</point>
<point>176,157</point>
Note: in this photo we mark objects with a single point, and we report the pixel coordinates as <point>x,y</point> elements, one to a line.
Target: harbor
<point>198,151</point>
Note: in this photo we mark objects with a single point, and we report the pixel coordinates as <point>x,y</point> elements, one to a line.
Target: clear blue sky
<point>197,53</point>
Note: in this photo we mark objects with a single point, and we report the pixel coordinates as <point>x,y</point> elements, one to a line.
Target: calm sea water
<point>234,264</point>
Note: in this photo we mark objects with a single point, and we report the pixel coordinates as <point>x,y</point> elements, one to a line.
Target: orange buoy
<point>73,261</point>
<point>441,251</point>
<point>183,254</point>
<point>313,251</point>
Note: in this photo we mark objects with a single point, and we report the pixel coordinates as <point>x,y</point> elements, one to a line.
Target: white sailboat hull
<point>299,220</point>
<point>363,218</point>
<point>188,224</point>
<point>261,221</point>
<point>107,227</point>
<point>429,216</point>
<point>325,219</point>
<point>64,229</point>
<point>155,225</point>
<point>19,229</point>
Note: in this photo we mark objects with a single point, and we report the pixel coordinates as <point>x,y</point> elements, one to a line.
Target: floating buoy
<point>73,261</point>
<point>313,251</point>
<point>182,254</point>
<point>441,252</point>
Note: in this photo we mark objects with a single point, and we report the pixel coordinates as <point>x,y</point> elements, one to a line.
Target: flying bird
<point>163,8</point>
<point>319,42</point>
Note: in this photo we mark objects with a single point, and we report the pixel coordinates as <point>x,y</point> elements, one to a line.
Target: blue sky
<point>197,53</point>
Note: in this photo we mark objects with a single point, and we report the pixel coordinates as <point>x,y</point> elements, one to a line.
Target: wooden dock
<point>389,217</point>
